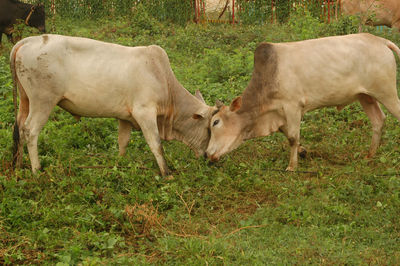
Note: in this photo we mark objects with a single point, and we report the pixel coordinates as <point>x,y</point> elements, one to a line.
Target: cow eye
<point>215,122</point>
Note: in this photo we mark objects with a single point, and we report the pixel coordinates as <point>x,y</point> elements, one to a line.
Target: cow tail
<point>16,136</point>
<point>393,47</point>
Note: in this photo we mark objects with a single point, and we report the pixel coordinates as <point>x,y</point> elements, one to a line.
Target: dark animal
<point>11,11</point>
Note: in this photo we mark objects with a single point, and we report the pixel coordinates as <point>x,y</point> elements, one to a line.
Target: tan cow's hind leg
<point>124,133</point>
<point>39,113</point>
<point>392,104</point>
<point>377,117</point>
<point>147,121</point>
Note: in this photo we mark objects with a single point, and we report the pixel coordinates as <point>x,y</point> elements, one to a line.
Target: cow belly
<point>93,109</point>
<point>314,102</point>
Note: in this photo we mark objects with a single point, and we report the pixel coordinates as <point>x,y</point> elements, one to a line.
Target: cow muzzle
<point>213,157</point>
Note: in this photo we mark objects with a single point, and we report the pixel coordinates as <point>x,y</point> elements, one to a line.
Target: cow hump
<point>263,83</point>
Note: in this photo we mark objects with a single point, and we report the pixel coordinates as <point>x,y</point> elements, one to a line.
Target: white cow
<point>290,79</point>
<point>96,79</point>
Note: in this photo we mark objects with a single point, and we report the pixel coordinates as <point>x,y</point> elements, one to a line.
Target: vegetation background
<point>89,206</point>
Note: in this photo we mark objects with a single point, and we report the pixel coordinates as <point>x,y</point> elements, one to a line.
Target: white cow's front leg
<point>147,120</point>
<point>293,119</point>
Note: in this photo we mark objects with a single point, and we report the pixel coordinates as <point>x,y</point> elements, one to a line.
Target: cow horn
<point>219,104</point>
<point>199,96</point>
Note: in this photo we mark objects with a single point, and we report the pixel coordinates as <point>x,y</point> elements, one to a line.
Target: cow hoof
<point>290,169</point>
<point>302,152</point>
<point>169,178</point>
<point>370,155</point>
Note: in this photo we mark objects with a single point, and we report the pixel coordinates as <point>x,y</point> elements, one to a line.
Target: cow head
<point>192,127</point>
<point>37,18</point>
<point>226,130</point>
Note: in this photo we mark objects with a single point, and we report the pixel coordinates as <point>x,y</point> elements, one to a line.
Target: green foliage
<point>143,23</point>
<point>304,25</point>
<point>175,11</point>
<point>265,11</point>
<point>5,81</point>
<point>345,25</point>
<point>89,206</point>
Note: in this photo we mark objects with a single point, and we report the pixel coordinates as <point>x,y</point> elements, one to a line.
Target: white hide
<point>96,79</point>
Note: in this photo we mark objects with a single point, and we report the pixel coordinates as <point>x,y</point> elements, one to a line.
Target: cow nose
<point>214,158</point>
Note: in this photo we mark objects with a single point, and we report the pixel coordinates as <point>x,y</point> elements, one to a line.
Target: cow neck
<point>247,120</point>
<point>185,106</point>
<point>249,111</point>
<point>259,118</point>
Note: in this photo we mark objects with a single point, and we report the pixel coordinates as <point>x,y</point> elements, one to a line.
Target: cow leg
<point>124,133</point>
<point>302,151</point>
<point>23,112</point>
<point>147,121</point>
<point>39,113</point>
<point>392,103</point>
<point>377,117</point>
<point>293,119</point>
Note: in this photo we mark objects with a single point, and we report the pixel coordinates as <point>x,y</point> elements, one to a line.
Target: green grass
<point>91,207</point>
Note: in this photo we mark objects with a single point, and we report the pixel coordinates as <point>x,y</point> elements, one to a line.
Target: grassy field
<point>89,206</point>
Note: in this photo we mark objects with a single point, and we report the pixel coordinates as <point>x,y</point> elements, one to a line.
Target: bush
<point>143,23</point>
<point>304,25</point>
<point>344,25</point>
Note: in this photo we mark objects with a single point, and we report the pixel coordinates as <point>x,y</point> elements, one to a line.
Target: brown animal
<point>290,79</point>
<point>90,78</point>
<point>375,12</point>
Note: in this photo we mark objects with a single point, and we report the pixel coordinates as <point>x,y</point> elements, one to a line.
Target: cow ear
<point>197,116</point>
<point>236,104</point>
<point>199,96</point>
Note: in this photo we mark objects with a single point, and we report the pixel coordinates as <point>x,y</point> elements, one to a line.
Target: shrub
<point>304,25</point>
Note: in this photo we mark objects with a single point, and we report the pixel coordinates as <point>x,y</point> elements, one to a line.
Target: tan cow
<point>378,12</point>
<point>96,79</point>
<point>290,79</point>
